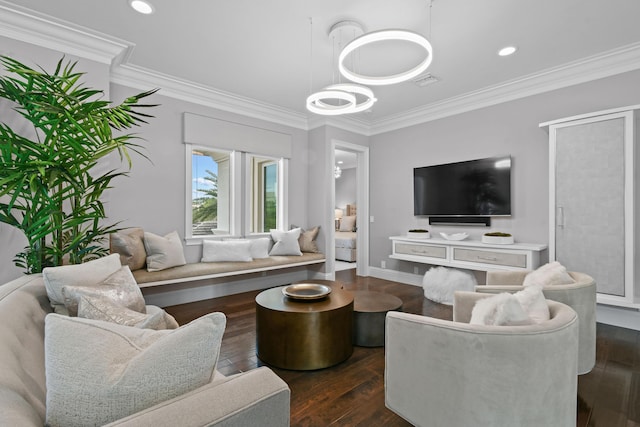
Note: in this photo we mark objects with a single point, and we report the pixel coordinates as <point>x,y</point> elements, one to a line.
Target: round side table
<point>370,311</point>
<point>304,335</point>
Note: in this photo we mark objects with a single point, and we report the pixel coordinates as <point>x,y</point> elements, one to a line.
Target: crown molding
<point>144,79</point>
<point>350,124</point>
<point>29,26</point>
<point>606,64</point>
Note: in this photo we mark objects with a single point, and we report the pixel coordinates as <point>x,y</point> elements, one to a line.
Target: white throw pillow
<point>499,310</point>
<point>98,372</point>
<point>121,288</point>
<point>348,223</point>
<point>286,242</point>
<point>549,274</point>
<point>259,247</point>
<point>228,250</point>
<point>163,252</point>
<point>534,303</point>
<point>88,273</point>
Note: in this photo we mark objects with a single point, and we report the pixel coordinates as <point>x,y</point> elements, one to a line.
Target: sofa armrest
<point>497,289</point>
<point>256,397</point>
<point>500,278</point>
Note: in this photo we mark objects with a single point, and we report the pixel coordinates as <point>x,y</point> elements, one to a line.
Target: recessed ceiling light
<point>141,6</point>
<point>506,51</point>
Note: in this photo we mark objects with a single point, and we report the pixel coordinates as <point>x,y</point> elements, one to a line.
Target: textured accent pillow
<point>348,223</point>
<point>307,239</point>
<point>88,273</point>
<point>499,310</point>
<point>101,308</point>
<point>98,372</point>
<point>163,252</point>
<point>550,274</point>
<point>228,250</point>
<point>121,288</point>
<point>130,247</point>
<point>286,242</point>
<point>534,303</point>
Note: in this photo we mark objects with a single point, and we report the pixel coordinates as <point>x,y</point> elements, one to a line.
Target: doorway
<point>350,163</point>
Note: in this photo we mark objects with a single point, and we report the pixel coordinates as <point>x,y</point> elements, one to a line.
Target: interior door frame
<point>362,203</point>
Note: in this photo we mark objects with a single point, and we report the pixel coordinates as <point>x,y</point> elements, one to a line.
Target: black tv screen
<point>473,188</point>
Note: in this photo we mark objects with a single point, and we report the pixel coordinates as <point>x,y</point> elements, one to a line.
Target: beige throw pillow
<point>348,223</point>
<point>89,273</point>
<point>163,252</point>
<point>101,308</point>
<point>130,246</point>
<point>98,372</point>
<point>121,288</point>
<point>307,239</point>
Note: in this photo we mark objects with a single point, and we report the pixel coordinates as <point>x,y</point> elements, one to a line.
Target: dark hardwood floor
<point>352,393</point>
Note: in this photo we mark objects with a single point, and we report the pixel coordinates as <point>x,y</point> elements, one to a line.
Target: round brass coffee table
<point>304,334</point>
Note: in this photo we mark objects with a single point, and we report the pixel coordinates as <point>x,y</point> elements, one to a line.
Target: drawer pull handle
<point>487,258</point>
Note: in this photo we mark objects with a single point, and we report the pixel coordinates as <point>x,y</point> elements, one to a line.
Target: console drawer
<point>490,257</point>
<point>421,250</point>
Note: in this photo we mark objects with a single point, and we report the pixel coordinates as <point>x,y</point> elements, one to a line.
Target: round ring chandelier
<point>316,105</point>
<point>358,90</point>
<point>384,35</point>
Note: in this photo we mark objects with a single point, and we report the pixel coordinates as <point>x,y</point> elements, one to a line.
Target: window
<point>232,193</point>
<point>210,192</point>
<point>264,194</point>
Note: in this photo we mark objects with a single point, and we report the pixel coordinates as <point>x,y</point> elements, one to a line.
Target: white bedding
<point>346,239</point>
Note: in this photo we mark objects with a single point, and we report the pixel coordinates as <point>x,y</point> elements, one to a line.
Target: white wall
<point>509,128</point>
<point>153,197</point>
<point>346,189</point>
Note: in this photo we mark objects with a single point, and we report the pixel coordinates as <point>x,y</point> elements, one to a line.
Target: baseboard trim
<point>618,316</point>
<point>396,276</point>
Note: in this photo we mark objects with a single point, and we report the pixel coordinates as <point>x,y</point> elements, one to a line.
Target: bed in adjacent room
<point>345,238</point>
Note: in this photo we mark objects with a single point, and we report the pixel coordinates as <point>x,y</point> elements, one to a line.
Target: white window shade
<point>228,135</point>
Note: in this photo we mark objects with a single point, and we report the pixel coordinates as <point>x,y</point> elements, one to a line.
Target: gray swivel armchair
<point>442,373</point>
<point>581,296</point>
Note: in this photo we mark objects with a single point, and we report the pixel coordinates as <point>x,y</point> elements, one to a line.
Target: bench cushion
<point>204,270</point>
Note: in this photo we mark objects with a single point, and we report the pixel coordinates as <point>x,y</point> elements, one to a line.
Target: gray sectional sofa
<point>257,397</point>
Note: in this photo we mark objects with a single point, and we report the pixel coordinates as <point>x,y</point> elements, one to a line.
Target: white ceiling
<point>265,51</point>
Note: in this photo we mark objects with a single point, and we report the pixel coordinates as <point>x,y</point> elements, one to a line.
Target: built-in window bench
<point>213,270</point>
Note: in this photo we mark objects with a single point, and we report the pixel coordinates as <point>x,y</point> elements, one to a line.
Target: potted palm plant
<point>50,188</point>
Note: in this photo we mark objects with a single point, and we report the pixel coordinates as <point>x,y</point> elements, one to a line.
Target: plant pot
<point>419,234</point>
<point>498,240</point>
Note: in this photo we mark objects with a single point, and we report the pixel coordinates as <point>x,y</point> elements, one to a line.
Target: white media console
<point>469,254</point>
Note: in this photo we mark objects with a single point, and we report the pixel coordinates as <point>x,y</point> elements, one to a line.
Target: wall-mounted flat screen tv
<point>479,187</point>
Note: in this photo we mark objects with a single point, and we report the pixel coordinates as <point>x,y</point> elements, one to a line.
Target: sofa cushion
<point>98,372</point>
<point>286,242</point>
<point>163,251</point>
<point>88,273</point>
<point>229,250</point>
<point>130,246</point>
<point>120,287</point>
<point>534,303</point>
